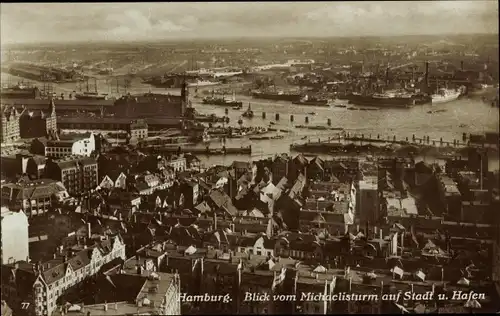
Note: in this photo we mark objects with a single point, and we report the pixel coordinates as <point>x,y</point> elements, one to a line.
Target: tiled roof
<point>73,161</point>
<point>36,189</point>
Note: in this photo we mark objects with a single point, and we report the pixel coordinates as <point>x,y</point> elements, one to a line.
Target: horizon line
<point>225,38</point>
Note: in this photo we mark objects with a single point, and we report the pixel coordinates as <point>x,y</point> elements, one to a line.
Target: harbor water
<point>466,115</point>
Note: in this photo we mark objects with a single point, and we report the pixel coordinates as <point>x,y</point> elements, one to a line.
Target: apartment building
<point>49,280</point>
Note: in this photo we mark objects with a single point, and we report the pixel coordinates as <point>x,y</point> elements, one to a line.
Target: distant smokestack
<point>426,75</point>
<point>89,232</point>
<point>387,76</point>
<point>462,65</point>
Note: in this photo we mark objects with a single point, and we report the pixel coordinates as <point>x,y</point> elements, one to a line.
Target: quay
<point>221,151</point>
<point>360,143</point>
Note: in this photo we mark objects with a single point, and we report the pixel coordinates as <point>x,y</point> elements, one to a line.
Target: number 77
<point>25,305</point>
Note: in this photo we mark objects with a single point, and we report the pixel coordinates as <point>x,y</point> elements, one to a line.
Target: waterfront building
<point>152,104</point>
<point>38,123</point>
<point>10,125</point>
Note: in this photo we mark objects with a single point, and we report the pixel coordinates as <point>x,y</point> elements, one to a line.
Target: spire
<point>52,107</point>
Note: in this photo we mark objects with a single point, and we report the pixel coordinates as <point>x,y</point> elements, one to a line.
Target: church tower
<point>51,118</point>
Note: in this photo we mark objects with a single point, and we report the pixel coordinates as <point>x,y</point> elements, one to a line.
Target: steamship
<point>277,95</point>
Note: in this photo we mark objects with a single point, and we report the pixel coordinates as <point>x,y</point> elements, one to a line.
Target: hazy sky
<point>60,22</point>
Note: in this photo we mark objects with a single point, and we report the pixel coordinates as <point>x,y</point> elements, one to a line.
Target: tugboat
<point>206,137</point>
<point>444,95</point>
<point>436,111</point>
<point>248,113</point>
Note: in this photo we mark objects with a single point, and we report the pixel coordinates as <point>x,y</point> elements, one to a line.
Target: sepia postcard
<point>190,158</point>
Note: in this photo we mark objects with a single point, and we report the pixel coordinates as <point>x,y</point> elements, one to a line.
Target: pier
<point>202,151</point>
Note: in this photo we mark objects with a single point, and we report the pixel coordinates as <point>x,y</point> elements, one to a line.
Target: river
<point>466,115</point>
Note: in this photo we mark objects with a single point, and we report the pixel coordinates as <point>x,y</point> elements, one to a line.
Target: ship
<point>260,138</point>
<point>388,99</point>
<point>445,95</point>
<point>248,113</point>
<point>203,83</point>
<point>277,96</point>
<point>91,96</point>
<point>222,101</point>
<point>436,111</point>
<point>312,101</point>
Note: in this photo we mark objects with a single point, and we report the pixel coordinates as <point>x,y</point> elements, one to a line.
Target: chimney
<point>381,234</point>
<point>375,231</point>
<point>426,75</point>
<point>402,241</point>
<point>89,231</point>
<point>105,306</point>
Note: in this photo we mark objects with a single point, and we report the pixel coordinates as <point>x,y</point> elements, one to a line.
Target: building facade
<point>178,163</point>
<point>152,104</point>
<point>79,147</point>
<point>14,236</point>
<point>78,174</point>
<point>114,181</point>
<point>34,197</point>
<point>38,123</point>
<point>138,129</point>
<point>50,280</point>
<point>367,201</point>
<point>10,125</point>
